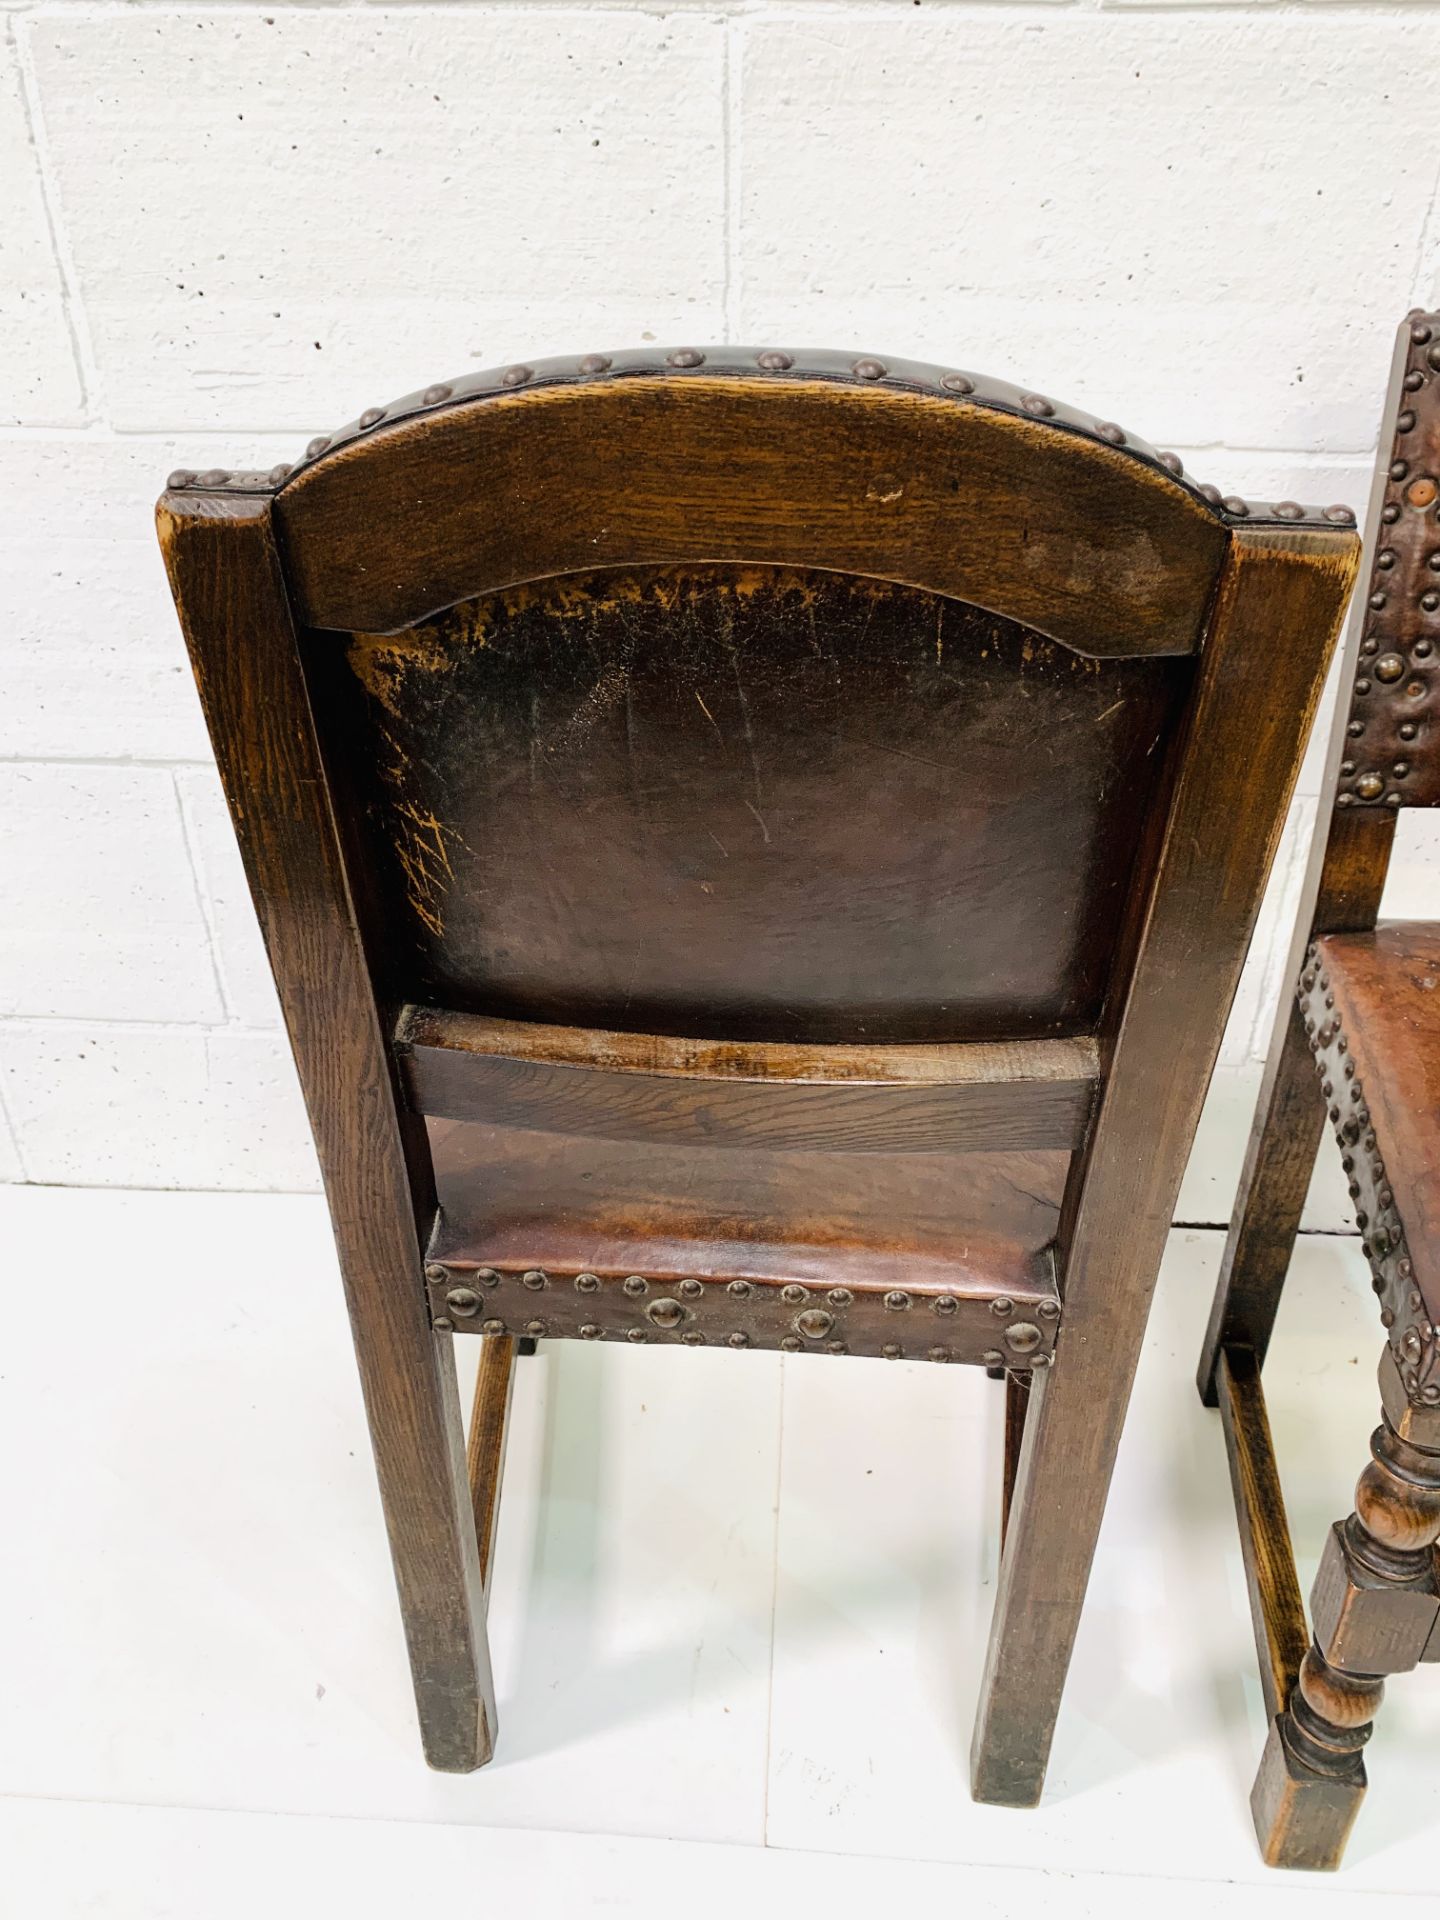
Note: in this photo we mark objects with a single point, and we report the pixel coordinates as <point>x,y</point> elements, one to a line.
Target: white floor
<point>739,1620</point>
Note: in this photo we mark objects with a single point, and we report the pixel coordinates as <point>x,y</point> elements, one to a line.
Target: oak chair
<point>1357,1037</point>
<point>756,851</point>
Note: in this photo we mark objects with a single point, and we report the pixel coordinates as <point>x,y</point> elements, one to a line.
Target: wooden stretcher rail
<point>1278,1612</point>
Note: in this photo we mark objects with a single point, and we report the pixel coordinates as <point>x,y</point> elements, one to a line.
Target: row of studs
<point>789,1343</point>
<point>770,360</point>
<point>1381,662</point>
<point>1413,1340</point>
<point>1021,1336</point>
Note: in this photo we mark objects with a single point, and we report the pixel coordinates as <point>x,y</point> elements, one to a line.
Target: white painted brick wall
<point>226,227</point>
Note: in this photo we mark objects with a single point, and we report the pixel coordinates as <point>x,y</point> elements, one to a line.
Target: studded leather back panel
<point>749,804</point>
<point>1393,754</point>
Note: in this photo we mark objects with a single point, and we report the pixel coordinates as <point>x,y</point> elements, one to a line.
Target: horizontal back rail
<point>1076,538</point>
<point>1024,1095</point>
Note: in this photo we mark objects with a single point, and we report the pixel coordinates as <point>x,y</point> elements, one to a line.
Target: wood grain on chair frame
<point>1355,1039</point>
<point>756,849</point>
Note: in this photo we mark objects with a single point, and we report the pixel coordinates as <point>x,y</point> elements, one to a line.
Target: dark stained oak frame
<point>1376,1598</point>
<point>1003,499</point>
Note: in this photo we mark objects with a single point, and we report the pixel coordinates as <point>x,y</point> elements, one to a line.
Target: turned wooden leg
<point>1375,1607</point>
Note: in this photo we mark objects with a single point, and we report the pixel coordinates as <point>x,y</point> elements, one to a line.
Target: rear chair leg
<point>1279,1161</point>
<point>1374,1607</point>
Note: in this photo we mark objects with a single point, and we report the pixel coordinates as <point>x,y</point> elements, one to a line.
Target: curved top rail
<point>939,479</point>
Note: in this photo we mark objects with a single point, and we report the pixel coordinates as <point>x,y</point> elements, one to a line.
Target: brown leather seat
<point>1373,1002</point>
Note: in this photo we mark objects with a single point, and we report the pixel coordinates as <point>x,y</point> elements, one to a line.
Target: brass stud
<point>536,1329</point>
<point>740,1289</point>
<point>1235,506</point>
<point>665,1313</point>
<point>1289,510</point>
<point>814,1323</point>
<point>1340,516</point>
<point>840,1296</point>
<point>442,1325</point>
<point>1385,559</point>
<point>1022,1336</point>
<point>1405,422</point>
<point>1037,404</point>
<point>1390,513</point>
<point>892,1350</point>
<point>685,357</point>
<point>372,416</point>
<point>1212,494</point>
<point>595,363</point>
<point>635,1284</point>
<point>693,1337</point>
<point>957,383</point>
<point>835,1346</point>
<point>216,477</point>
<point>793,1295</point>
<point>1108,430</point>
<point>1172,463</point>
<point>463,1302</point>
<point>492,1327</point>
<point>1407,729</point>
<point>773,360</point>
<point>485,1277</point>
<point>516,376</point>
<point>1414,380</point>
<point>1049,1309</point>
<point>1389,667</point>
<point>589,1331</point>
<point>1369,786</point>
<point>869,369</point>
<point>939,1353</point>
<point>692,1288</point>
<point>278,475</point>
<point>317,446</point>
<point>182,477</point>
<point>992,1357</point>
<point>1399,468</point>
<point>790,1344</point>
<point>1002,1306</point>
<point>434,1271</point>
<point>535,1279</point>
<point>432,396</point>
<point>637,1336</point>
<point>897,1300</point>
<point>737,1340</point>
<point>945,1303</point>
<point>587,1283</point>
<point>1420,333</point>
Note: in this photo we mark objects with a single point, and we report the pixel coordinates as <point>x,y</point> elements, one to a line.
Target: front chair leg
<point>1374,1606</point>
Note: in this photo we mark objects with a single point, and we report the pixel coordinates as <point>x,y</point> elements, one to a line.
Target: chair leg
<point>1374,1607</point>
<point>412,1402</point>
<point>1062,1478</point>
<point>1279,1161</point>
<point>485,1451</point>
<point>1017,1404</point>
